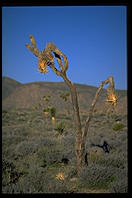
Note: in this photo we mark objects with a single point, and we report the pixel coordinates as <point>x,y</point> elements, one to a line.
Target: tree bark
<point>79,144</point>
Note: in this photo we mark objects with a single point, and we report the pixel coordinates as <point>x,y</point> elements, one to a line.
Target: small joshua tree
<point>65,96</point>
<point>41,103</point>
<point>46,98</point>
<point>60,126</point>
<point>46,59</point>
<point>52,111</point>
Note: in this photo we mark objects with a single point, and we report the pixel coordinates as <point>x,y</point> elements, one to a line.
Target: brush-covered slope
<point>8,86</point>
<point>31,95</point>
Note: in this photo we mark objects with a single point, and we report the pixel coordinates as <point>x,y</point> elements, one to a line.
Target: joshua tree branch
<point>55,70</point>
<point>110,91</point>
<point>33,47</point>
<point>58,54</point>
<point>46,57</point>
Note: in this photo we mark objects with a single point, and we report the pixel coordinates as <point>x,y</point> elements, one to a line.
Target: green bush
<point>118,126</point>
<point>60,126</point>
<point>26,147</point>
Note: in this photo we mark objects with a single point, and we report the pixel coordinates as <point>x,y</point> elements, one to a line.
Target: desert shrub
<point>113,116</point>
<point>5,117</point>
<point>47,142</point>
<point>21,118</point>
<point>26,147</point>
<point>4,111</point>
<point>17,130</point>
<point>8,189</point>
<point>49,156</point>
<point>9,174</point>
<point>67,118</point>
<point>96,176</point>
<point>117,160</point>
<point>95,140</point>
<point>8,139</point>
<point>7,165</point>
<point>95,155</point>
<point>9,152</point>
<point>20,131</point>
<point>116,142</point>
<point>35,177</point>
<point>72,172</point>
<point>19,188</point>
<point>60,126</point>
<point>123,148</point>
<point>55,187</point>
<point>53,156</point>
<point>122,136</point>
<point>36,122</point>
<point>32,183</point>
<point>68,140</point>
<point>118,126</point>
<point>38,180</point>
<point>120,185</point>
<point>68,153</point>
<point>67,143</point>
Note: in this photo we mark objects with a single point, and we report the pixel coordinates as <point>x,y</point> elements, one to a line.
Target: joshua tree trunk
<point>46,58</point>
<point>79,144</point>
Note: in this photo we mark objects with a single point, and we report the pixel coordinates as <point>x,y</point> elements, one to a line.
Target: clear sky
<point>94,38</point>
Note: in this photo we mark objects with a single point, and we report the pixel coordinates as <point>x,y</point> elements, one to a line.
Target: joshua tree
<point>42,100</point>
<point>52,111</point>
<point>46,59</point>
<point>65,96</point>
<point>46,98</point>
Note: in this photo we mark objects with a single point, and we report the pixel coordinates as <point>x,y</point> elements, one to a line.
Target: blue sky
<point>94,38</point>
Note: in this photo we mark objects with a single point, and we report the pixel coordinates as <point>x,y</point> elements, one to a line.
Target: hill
<point>30,95</point>
<point>8,86</point>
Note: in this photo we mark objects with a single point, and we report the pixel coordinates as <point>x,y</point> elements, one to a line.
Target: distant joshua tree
<point>65,96</point>
<point>46,59</point>
<point>46,98</point>
<point>41,103</point>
